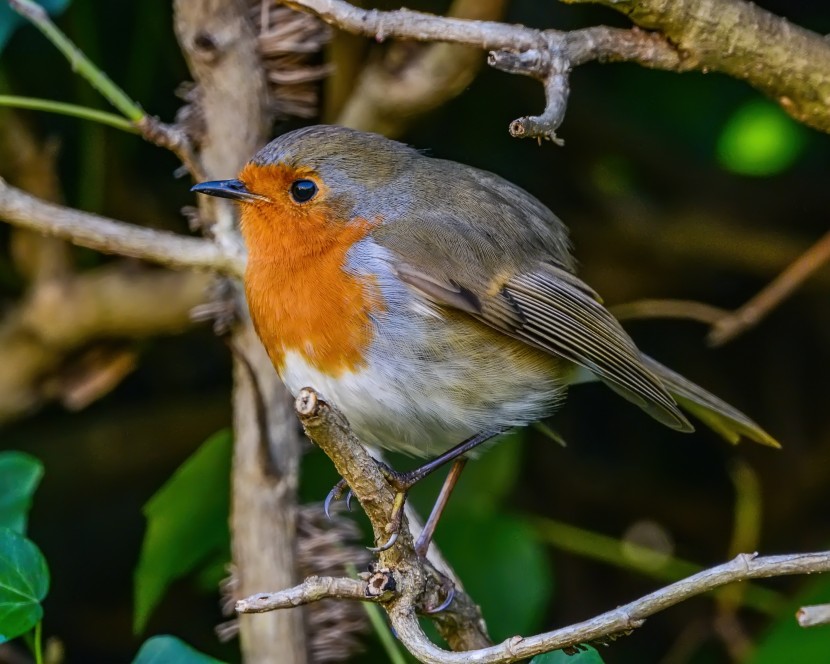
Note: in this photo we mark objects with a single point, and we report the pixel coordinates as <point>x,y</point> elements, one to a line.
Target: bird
<point>435,304</point>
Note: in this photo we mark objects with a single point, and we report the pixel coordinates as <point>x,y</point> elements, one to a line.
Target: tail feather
<point>718,415</point>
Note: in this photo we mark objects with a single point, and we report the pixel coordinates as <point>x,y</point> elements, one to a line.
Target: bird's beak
<point>233,189</point>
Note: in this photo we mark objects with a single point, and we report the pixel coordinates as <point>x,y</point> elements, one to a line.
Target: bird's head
<point>304,186</point>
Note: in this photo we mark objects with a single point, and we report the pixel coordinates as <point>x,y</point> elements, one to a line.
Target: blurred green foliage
<point>170,650</point>
<point>187,522</point>
<point>24,582</point>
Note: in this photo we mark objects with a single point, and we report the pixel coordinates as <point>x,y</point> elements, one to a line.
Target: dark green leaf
<point>24,582</point>
<point>187,520</point>
<point>787,641</point>
<point>760,139</point>
<point>10,20</point>
<point>170,650</point>
<point>20,475</point>
<point>587,656</point>
<point>502,566</point>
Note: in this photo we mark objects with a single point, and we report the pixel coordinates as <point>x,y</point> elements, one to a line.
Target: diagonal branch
<point>114,237</point>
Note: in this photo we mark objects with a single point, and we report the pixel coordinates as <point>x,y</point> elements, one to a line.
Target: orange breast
<point>299,295</point>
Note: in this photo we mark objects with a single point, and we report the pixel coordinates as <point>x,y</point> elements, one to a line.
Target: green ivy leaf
<point>20,475</point>
<point>187,521</point>
<point>10,19</point>
<point>24,582</point>
<point>760,139</point>
<point>170,650</point>
<point>787,641</point>
<point>587,656</point>
<point>508,557</point>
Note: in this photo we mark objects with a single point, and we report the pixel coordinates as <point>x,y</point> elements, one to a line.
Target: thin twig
<point>684,309</point>
<point>151,128</point>
<point>314,588</point>
<point>83,112</point>
<point>80,63</point>
<point>750,314</point>
<point>810,616</point>
<point>114,237</point>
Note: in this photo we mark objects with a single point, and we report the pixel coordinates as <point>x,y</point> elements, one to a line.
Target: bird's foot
<point>336,493</point>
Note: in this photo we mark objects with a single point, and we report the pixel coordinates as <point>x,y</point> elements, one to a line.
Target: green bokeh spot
<point>760,139</point>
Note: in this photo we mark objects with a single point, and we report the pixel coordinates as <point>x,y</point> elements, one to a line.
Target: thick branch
<point>221,48</point>
<point>417,582</point>
<point>113,237</point>
<point>61,316</point>
<point>784,61</point>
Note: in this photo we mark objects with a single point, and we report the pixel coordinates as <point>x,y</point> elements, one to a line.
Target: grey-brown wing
<point>557,313</point>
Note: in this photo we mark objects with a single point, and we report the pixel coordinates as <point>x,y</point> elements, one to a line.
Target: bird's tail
<point>718,415</point>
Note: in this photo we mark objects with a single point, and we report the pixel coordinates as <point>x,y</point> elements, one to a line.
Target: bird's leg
<point>403,482</point>
<point>425,538</point>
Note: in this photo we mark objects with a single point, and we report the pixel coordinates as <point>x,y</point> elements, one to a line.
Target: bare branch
<point>114,237</point>
<point>810,616</point>
<point>750,314</point>
<point>688,36</point>
<point>788,63</point>
<point>688,309</point>
<point>612,623</point>
<point>546,55</point>
<point>313,589</point>
<point>417,583</point>
<point>407,584</point>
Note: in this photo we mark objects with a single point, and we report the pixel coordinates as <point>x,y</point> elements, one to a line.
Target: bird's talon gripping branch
<point>335,494</point>
<point>449,590</point>
<point>394,525</point>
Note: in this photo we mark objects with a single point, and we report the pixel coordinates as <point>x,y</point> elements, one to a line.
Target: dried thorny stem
<point>685,36</point>
<point>405,584</point>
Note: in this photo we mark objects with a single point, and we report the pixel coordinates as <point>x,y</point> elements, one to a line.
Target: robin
<point>434,303</point>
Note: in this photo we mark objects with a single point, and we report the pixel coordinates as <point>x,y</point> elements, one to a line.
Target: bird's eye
<point>303,191</point>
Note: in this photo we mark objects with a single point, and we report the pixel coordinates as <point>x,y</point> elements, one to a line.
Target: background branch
<point>114,237</point>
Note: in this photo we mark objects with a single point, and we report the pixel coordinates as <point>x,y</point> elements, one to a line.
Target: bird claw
<point>443,606</point>
<point>386,545</point>
<point>335,494</point>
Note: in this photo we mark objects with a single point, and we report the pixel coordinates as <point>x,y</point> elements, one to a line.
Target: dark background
<point>656,211</point>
